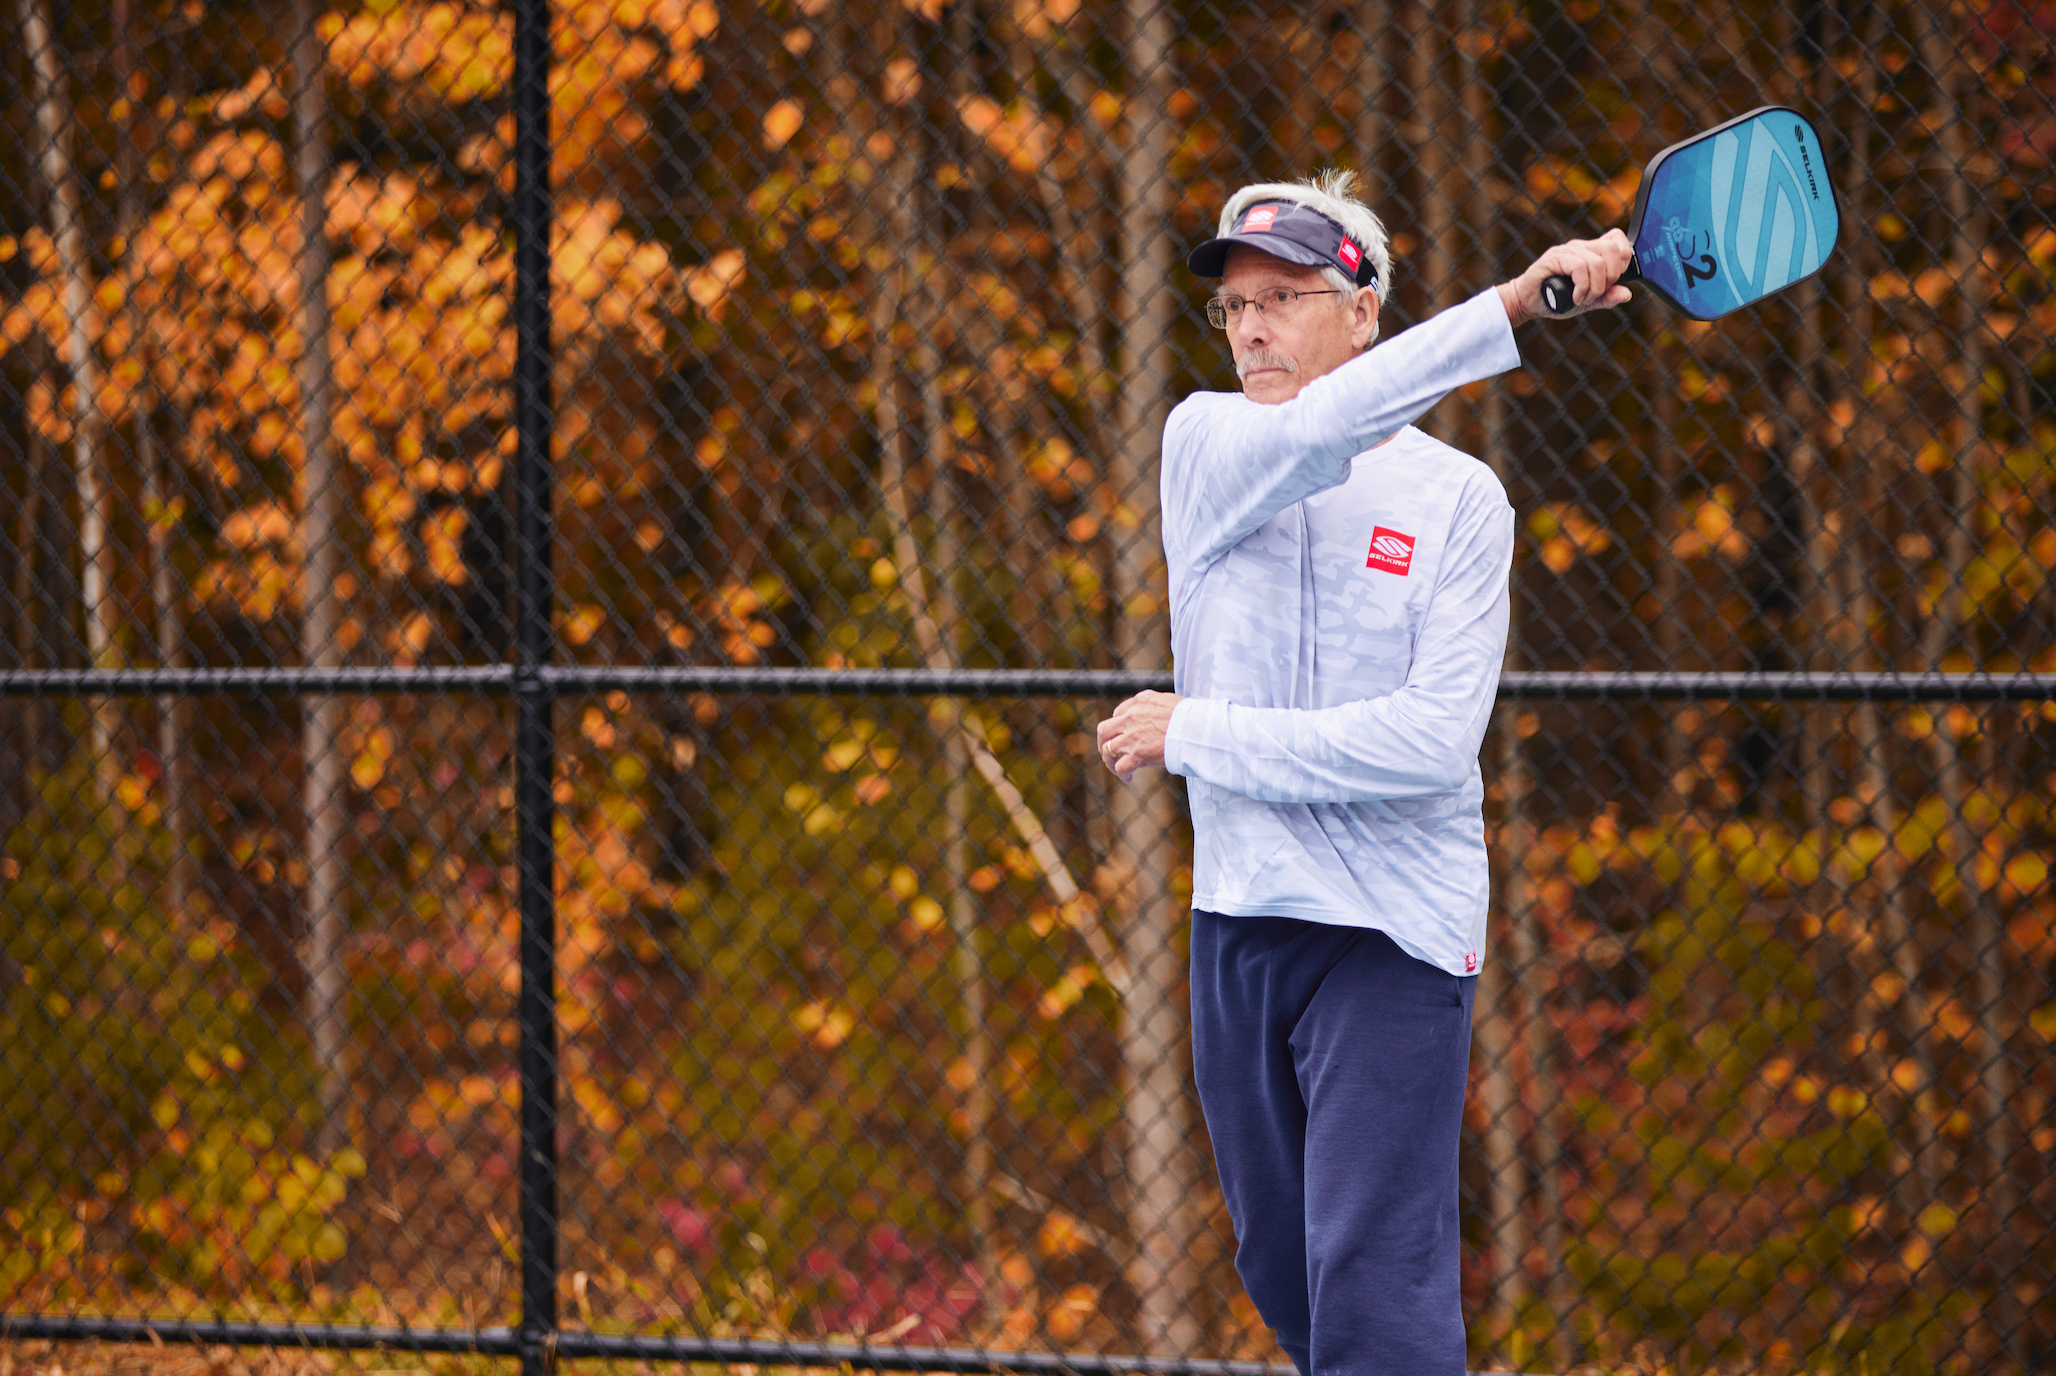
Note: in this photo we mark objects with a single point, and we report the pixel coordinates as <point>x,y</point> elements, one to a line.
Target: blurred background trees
<point>867,318</point>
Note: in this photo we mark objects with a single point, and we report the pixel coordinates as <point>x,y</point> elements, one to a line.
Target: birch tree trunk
<point>1162,1216</point>
<point>321,499</point>
<point>89,423</point>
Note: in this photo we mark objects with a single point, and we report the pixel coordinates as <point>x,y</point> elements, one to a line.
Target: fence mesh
<point>869,1010</point>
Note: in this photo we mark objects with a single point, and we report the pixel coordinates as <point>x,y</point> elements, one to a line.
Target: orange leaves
<point>460,52</point>
<point>1712,530</point>
<point>264,523</point>
<point>1558,179</point>
<point>902,78</point>
<point>781,122</point>
<point>1019,137</point>
<point>1564,531</point>
<point>1036,18</point>
<point>606,280</point>
<point>708,287</point>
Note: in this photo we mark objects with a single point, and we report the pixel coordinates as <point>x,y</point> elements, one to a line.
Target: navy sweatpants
<point>1331,1067</point>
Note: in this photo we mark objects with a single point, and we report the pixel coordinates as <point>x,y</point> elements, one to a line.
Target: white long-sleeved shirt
<point>1338,620</point>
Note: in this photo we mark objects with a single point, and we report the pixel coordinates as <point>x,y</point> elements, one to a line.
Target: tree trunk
<point>82,332</point>
<point>321,502</point>
<point>173,711</point>
<point>967,962</point>
<point>1983,927</point>
<point>1162,1213</point>
<point>1373,20</point>
<point>1507,983</point>
<point>35,712</point>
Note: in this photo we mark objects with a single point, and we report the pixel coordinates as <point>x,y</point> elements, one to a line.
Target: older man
<point>1339,585</point>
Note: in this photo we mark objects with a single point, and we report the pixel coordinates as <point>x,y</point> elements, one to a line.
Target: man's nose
<point>1249,327</point>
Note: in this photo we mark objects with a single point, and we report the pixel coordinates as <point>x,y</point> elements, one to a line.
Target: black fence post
<point>535,746</point>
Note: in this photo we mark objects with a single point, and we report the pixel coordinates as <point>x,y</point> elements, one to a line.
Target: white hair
<point>1333,194</point>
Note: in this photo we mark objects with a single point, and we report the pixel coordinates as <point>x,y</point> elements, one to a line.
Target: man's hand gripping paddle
<point>1729,216</point>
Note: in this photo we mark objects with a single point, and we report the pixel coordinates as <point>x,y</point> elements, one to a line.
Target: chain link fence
<point>561,563</point>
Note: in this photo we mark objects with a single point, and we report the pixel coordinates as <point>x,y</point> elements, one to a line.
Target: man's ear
<point>1363,322</point>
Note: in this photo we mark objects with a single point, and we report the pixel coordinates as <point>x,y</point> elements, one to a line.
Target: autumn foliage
<point>849,304</point>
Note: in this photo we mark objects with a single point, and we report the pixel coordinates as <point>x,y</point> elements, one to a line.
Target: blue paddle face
<point>1735,214</point>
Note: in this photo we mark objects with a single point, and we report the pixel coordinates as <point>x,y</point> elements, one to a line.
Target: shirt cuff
<point>1187,723</point>
<point>1505,348</point>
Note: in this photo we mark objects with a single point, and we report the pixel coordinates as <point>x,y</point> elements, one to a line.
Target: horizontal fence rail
<point>568,680</point>
<point>571,1343</point>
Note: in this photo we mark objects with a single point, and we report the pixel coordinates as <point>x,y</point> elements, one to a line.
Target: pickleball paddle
<point>1729,216</point>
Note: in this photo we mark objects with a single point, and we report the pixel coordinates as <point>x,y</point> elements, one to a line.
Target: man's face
<point>1277,352</point>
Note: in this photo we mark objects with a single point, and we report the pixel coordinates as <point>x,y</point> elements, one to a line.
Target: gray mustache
<point>1264,358</point>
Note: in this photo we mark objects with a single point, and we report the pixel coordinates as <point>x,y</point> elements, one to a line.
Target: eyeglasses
<point>1222,311</point>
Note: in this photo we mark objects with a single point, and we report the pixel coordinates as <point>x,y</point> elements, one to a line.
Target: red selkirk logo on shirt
<point>1390,551</point>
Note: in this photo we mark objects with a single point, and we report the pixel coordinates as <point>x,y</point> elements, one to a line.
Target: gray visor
<point>1294,232</point>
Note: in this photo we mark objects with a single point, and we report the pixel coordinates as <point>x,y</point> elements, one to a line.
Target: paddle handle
<point>1556,290</point>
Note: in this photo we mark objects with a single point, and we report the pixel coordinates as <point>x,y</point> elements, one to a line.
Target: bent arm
<point>1422,739</point>
<point>1231,464</point>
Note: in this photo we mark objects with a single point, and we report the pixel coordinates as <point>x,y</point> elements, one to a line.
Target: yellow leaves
<point>828,1024</point>
<point>2027,872</point>
<point>1063,1235</point>
<point>781,122</point>
<point>1069,988</point>
<point>1713,530</point>
<point>459,52</point>
<point>369,766</point>
<point>1564,531</point>
<point>442,538</point>
<point>582,622</point>
<point>1559,179</point>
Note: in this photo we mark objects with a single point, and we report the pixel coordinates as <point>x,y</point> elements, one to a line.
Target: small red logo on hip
<point>1348,254</point>
<point>1470,962</point>
<point>1390,551</point>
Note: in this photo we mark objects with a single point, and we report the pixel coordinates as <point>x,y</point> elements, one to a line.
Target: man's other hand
<point>1133,737</point>
<point>1594,267</point>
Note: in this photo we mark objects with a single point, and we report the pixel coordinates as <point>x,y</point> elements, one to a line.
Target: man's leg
<point>1382,1054</point>
<point>1252,978</point>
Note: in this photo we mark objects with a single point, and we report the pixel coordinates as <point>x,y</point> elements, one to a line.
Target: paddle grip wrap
<point>1556,293</point>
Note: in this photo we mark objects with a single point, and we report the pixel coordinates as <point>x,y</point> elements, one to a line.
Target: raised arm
<point>1231,464</point>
